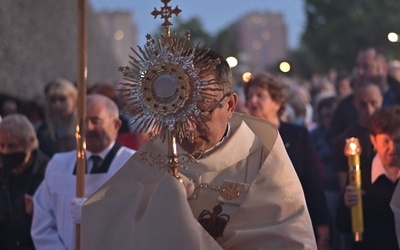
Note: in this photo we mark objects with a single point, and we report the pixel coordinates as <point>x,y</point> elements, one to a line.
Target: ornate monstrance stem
<point>166,12</point>
<point>173,161</point>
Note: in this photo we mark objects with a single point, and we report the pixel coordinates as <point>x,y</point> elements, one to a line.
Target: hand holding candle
<point>352,150</point>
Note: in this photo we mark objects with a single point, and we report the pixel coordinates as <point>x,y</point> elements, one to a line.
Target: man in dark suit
<point>371,67</point>
<point>367,99</point>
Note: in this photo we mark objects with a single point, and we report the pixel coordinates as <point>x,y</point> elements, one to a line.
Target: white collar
<point>378,169</point>
<point>226,135</point>
<point>102,153</point>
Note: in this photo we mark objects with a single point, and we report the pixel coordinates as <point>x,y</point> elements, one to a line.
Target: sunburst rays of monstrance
<point>165,86</point>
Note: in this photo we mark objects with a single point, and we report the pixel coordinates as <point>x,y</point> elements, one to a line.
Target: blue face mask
<point>12,160</point>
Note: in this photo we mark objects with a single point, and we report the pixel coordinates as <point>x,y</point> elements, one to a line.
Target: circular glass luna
<point>165,87</point>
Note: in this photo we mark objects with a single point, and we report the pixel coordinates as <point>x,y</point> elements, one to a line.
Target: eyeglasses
<point>218,104</point>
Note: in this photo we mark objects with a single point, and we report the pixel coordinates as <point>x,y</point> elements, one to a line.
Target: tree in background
<point>224,41</point>
<point>337,29</point>
<point>194,25</point>
<point>302,61</point>
<point>197,31</point>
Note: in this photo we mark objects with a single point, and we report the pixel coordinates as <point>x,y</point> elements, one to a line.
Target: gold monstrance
<point>165,86</point>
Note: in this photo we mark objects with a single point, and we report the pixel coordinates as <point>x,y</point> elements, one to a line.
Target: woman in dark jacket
<point>22,170</point>
<point>266,98</point>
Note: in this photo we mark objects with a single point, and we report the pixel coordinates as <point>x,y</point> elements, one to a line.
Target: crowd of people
<point>278,141</point>
<point>38,202</point>
<point>356,105</point>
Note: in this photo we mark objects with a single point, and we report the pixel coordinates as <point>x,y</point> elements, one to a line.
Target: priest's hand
<point>188,185</point>
<point>76,209</point>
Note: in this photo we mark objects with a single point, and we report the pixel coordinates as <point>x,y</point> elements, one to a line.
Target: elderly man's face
<point>387,147</point>
<point>369,67</point>
<point>207,136</point>
<point>101,127</point>
<point>367,100</point>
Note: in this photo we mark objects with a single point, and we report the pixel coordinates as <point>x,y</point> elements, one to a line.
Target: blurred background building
<point>39,43</point>
<point>261,40</point>
<point>120,33</point>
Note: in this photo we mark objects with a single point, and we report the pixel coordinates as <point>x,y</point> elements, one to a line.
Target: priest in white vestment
<point>243,194</point>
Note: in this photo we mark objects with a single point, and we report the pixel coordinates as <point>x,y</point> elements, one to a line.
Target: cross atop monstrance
<point>166,13</point>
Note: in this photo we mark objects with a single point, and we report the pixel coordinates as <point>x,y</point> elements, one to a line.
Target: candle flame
<point>352,147</point>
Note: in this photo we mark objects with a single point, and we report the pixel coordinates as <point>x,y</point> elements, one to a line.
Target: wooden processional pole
<point>81,109</point>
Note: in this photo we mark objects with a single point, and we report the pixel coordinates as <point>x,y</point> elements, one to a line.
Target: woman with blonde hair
<point>57,134</point>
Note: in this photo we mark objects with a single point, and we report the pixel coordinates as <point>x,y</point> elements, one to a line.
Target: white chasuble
<point>143,207</point>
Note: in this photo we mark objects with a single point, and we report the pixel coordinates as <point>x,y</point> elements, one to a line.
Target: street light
<point>393,37</point>
<point>284,67</point>
<point>118,35</point>
<point>246,76</point>
<point>232,61</point>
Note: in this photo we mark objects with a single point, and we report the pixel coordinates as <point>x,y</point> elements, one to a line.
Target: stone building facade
<point>38,42</point>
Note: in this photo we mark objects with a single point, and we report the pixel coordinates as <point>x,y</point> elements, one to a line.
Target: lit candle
<point>352,150</point>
